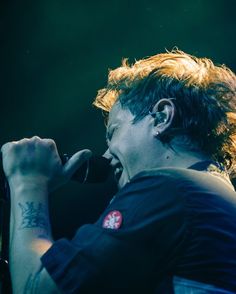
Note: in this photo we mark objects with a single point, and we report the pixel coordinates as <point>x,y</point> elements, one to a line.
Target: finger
<point>49,143</point>
<point>5,147</point>
<point>8,145</point>
<point>36,138</point>
<point>76,161</point>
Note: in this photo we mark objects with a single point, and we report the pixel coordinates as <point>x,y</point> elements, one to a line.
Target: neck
<point>182,158</point>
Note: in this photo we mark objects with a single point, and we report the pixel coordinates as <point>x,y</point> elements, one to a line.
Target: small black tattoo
<point>33,215</point>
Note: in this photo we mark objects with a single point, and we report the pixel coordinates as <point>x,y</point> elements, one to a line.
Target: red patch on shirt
<point>113,220</point>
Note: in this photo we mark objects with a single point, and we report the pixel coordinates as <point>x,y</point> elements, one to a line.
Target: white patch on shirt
<point>113,220</point>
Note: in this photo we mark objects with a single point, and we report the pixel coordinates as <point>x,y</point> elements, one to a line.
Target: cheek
<point>120,141</point>
<point>126,144</point>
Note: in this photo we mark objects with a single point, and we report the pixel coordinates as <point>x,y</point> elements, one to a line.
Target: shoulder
<point>182,179</point>
<point>148,199</point>
<point>179,187</point>
<point>156,185</point>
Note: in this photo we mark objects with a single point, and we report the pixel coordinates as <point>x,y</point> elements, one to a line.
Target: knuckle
<point>5,147</point>
<point>9,147</point>
<point>23,141</point>
<point>35,139</point>
<point>50,142</point>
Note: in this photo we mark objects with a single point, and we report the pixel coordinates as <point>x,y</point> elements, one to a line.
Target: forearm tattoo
<point>34,215</point>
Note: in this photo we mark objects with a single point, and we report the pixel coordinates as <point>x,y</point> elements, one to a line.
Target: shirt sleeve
<point>140,248</point>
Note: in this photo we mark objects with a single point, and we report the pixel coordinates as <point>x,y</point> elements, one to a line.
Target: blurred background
<point>55,55</point>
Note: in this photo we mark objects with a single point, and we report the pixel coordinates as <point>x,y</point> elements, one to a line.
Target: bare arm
<point>30,238</point>
<point>33,168</point>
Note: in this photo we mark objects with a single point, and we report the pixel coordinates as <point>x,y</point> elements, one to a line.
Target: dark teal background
<point>55,55</point>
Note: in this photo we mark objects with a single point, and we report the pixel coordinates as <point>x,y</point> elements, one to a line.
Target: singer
<point>171,228</point>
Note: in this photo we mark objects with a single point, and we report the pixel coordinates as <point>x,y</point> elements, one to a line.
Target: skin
<point>136,146</point>
<point>33,168</point>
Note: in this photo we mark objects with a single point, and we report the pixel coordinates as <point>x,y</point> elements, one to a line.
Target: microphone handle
<point>95,170</point>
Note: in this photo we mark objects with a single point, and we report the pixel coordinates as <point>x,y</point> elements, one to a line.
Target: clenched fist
<point>36,161</point>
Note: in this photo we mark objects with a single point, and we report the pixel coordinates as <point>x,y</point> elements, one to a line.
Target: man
<point>171,228</point>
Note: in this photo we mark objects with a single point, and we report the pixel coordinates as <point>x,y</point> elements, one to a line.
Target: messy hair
<point>204,96</point>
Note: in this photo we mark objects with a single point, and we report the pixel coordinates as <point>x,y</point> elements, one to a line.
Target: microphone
<point>94,170</point>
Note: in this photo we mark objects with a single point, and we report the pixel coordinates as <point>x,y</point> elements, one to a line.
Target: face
<point>132,148</point>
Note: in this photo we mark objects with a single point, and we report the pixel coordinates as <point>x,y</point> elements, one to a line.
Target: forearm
<point>31,166</point>
<point>30,238</point>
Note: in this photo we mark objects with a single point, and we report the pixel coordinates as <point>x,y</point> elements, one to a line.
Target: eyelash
<point>110,133</point>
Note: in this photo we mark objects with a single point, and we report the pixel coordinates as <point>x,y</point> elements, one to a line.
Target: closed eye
<point>110,132</point>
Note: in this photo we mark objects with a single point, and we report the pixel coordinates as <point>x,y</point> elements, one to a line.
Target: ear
<point>163,114</point>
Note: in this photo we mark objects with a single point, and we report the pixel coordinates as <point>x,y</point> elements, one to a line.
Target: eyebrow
<point>108,127</point>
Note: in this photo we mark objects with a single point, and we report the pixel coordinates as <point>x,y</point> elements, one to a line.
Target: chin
<point>122,182</point>
<point>120,186</point>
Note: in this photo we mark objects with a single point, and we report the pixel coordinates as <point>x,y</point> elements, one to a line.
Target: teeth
<point>118,171</point>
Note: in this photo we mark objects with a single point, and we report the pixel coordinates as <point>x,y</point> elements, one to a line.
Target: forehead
<point>119,114</point>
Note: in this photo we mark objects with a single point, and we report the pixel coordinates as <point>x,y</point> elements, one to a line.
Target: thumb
<point>75,162</point>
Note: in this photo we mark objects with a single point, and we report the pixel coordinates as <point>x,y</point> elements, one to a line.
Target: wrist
<point>29,190</point>
<point>35,183</point>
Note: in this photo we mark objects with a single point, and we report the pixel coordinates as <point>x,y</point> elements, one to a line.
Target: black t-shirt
<point>164,223</point>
